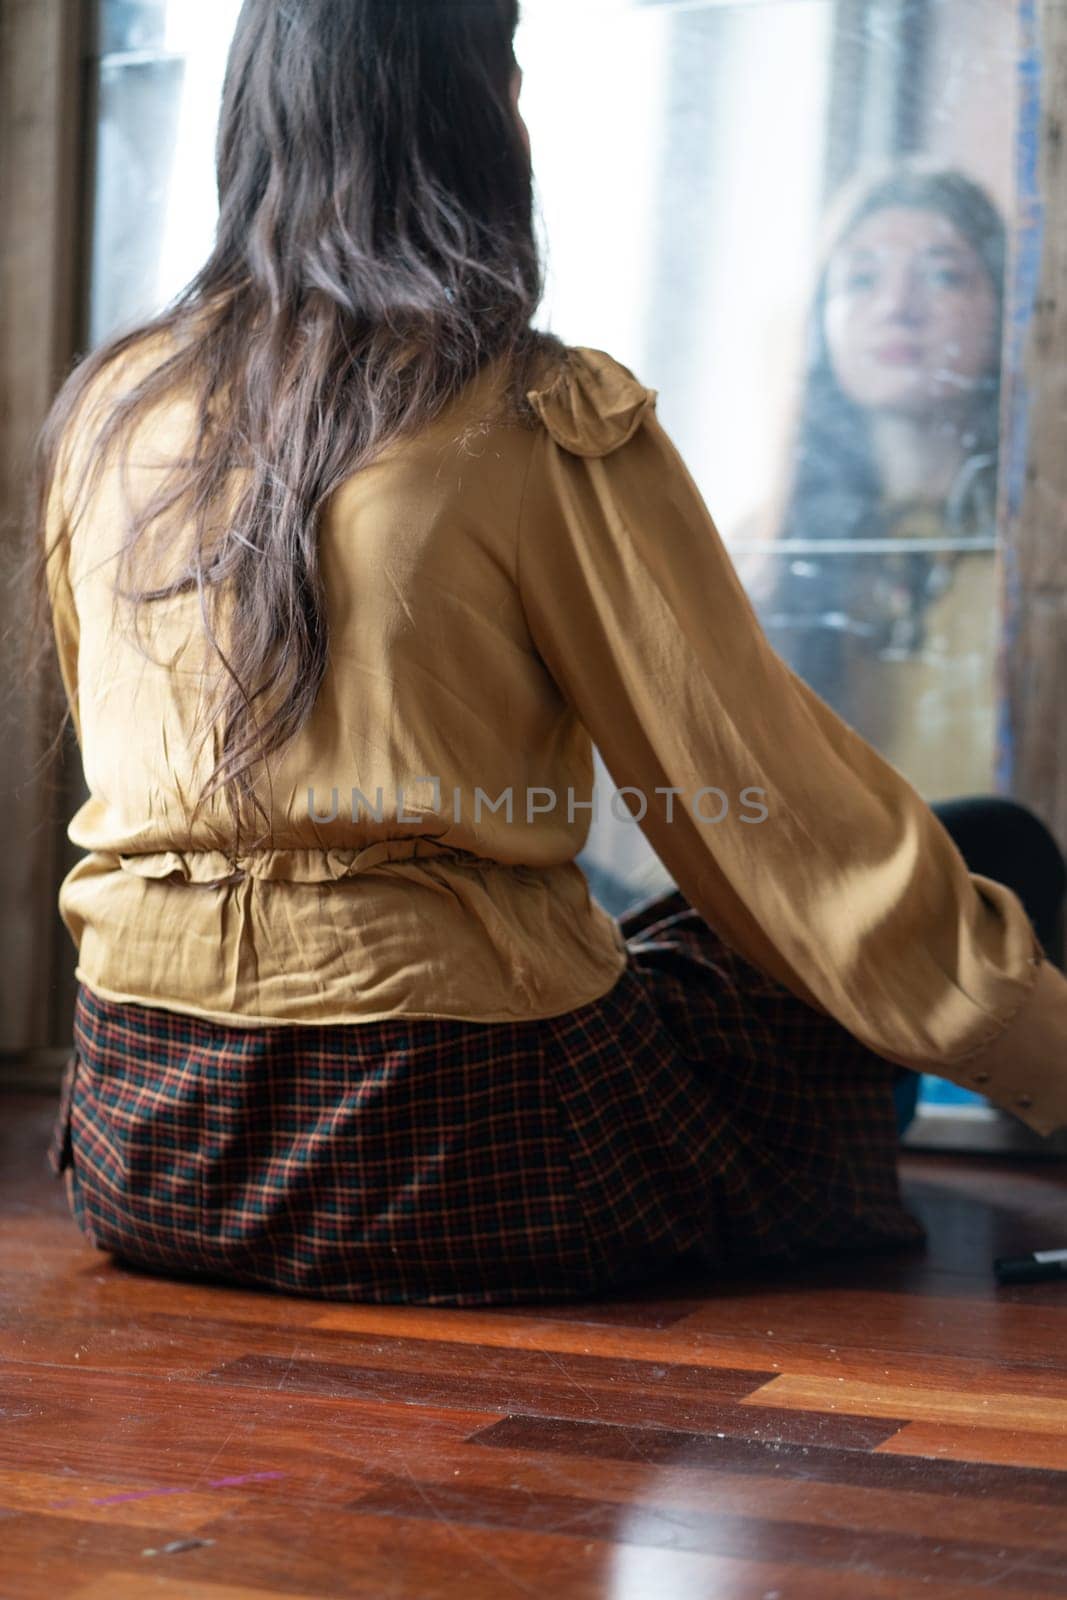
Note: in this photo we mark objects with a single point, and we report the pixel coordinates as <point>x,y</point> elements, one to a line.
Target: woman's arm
<point>849,891</point>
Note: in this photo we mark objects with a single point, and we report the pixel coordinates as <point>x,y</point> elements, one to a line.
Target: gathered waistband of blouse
<point>214,868</point>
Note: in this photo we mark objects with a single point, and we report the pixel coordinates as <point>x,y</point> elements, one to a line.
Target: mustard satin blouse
<point>500,598</point>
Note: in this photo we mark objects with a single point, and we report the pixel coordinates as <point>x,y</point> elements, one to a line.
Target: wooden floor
<point>896,1428</point>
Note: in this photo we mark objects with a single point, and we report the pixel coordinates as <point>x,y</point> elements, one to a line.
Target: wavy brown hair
<point>375,248</point>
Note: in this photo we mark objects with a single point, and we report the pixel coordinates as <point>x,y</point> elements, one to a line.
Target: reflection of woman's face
<point>911,312</point>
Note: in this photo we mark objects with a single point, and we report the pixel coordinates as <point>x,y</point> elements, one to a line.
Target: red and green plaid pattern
<point>698,1108</point>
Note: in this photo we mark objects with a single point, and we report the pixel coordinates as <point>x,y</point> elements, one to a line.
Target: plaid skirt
<point>698,1110</point>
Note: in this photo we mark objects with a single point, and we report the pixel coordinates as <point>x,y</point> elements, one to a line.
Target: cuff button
<point>981,1077</point>
<point>1023,1101</point>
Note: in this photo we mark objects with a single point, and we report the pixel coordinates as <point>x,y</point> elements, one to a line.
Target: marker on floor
<point>1038,1267</point>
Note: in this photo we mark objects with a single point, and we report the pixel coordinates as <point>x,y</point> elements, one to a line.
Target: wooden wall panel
<point>1034,481</point>
<point>42,82</point>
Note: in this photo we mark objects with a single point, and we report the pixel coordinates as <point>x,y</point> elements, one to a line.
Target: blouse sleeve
<point>810,854</point>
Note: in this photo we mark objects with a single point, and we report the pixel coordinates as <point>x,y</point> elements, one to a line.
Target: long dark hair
<point>831,488</point>
<point>375,249</point>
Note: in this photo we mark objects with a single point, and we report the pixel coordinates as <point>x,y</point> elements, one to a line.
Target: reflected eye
<point>859,280</point>
<point>948,277</point>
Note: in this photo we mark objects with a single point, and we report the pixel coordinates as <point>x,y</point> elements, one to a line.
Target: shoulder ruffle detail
<point>594,403</point>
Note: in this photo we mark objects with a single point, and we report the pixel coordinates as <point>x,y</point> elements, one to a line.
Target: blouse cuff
<point>1023,1069</point>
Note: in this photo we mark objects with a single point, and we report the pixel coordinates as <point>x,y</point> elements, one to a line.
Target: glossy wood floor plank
<point>866,1361</point>
<point>686,1489</point>
<point>958,1442</point>
<point>395,1558</point>
<point>131,1586</point>
<point>1030,1414</point>
<point>885,1428</point>
<point>709,1530</point>
<point>821,1463</point>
